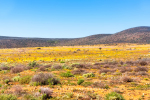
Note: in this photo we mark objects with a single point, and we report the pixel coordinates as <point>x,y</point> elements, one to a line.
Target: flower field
<point>99,72</point>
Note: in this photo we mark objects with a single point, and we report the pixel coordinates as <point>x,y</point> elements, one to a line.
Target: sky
<point>71,18</point>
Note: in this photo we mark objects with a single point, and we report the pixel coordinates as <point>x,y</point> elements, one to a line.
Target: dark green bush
<point>67,74</point>
<point>33,64</point>
<point>114,96</point>
<point>25,79</point>
<point>6,81</point>
<point>80,81</point>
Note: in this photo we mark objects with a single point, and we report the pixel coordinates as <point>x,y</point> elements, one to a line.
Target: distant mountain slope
<point>89,40</point>
<point>31,42</point>
<point>8,37</point>
<point>132,35</point>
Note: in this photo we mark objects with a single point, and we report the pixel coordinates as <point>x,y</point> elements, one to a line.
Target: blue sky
<point>71,18</point>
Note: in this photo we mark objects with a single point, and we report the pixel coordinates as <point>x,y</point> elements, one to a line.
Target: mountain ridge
<point>139,34</point>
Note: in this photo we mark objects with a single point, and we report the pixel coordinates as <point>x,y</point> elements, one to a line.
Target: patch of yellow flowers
<point>75,53</point>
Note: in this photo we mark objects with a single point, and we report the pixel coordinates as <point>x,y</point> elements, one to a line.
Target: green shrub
<point>67,67</point>
<point>16,78</point>
<point>25,80</point>
<point>7,97</point>
<point>3,90</point>
<point>114,96</point>
<point>102,74</point>
<point>62,61</point>
<point>67,74</point>
<point>33,64</point>
<point>34,83</point>
<point>0,85</point>
<point>89,75</point>
<point>6,81</point>
<point>68,96</point>
<point>80,81</point>
<point>146,79</point>
<point>38,48</point>
<point>85,84</point>
<point>92,95</point>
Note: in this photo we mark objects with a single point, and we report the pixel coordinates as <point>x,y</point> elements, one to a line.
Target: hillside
<point>132,35</point>
<point>8,37</point>
<point>31,42</point>
<point>89,40</point>
<point>9,42</point>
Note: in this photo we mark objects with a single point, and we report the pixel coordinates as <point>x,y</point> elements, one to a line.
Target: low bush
<point>33,64</point>
<point>7,97</point>
<point>42,68</point>
<point>99,64</point>
<point>47,93</point>
<point>100,85</point>
<point>89,75</point>
<point>62,61</point>
<point>86,84</point>
<point>16,78</point>
<point>114,96</point>
<point>80,66</point>
<point>143,63</point>
<point>96,67</point>
<point>126,79</point>
<point>104,71</point>
<point>45,79</point>
<point>17,89</point>
<point>125,69</point>
<point>25,79</point>
<point>116,90</point>
<point>113,63</point>
<point>4,68</point>
<point>80,81</point>
<point>130,63</point>
<point>142,73</point>
<point>67,67</point>
<point>57,67</point>
<point>7,81</point>
<point>67,74</point>
<point>79,72</point>
<point>69,95</point>
<point>141,68</point>
<point>92,95</point>
<point>17,69</point>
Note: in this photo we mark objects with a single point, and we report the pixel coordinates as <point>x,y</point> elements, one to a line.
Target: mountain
<point>8,37</point>
<point>29,42</point>
<point>89,40</point>
<point>132,35</point>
